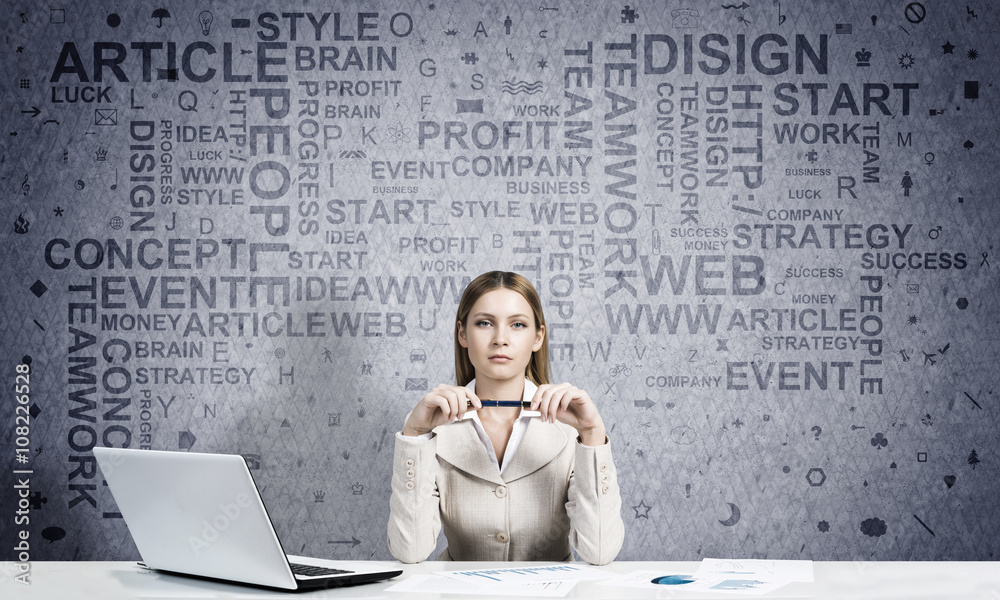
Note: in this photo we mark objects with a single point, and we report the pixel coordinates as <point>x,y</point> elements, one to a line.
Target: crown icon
<point>102,154</point>
<point>864,57</point>
<point>319,495</point>
<point>357,489</point>
<point>451,32</point>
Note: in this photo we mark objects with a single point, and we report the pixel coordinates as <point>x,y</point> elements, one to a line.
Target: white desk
<point>840,580</point>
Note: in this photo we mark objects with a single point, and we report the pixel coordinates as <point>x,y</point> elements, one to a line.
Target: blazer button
<point>410,473</point>
<point>604,490</point>
<point>501,491</point>
<point>604,479</point>
<point>409,462</point>
<point>503,538</point>
<point>409,485</point>
<point>604,468</point>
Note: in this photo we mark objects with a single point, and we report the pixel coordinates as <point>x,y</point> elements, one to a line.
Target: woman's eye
<point>483,324</point>
<point>519,325</point>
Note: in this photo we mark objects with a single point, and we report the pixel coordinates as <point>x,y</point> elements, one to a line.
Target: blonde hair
<point>538,366</point>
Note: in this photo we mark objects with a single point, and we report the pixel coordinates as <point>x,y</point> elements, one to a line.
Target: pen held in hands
<point>488,402</point>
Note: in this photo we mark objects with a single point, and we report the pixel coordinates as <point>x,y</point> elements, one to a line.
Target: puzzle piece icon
<point>37,500</point>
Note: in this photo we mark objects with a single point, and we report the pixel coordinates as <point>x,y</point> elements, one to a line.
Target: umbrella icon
<point>161,13</point>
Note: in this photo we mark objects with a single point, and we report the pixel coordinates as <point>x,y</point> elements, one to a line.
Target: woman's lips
<point>500,358</point>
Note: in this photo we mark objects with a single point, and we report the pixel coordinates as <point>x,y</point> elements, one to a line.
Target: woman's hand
<point>569,404</point>
<point>443,404</point>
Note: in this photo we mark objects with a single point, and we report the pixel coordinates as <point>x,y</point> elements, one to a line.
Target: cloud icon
<point>873,527</point>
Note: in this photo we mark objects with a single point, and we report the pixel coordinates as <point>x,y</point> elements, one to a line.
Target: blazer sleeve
<point>594,505</point>
<point>414,506</point>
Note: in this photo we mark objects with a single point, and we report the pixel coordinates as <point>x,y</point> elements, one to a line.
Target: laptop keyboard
<point>311,571</point>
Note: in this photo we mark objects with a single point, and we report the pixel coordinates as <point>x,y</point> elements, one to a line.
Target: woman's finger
<point>543,402</point>
<point>537,398</point>
<point>567,399</point>
<point>451,397</point>
<point>476,402</point>
<point>438,403</point>
<point>562,402</point>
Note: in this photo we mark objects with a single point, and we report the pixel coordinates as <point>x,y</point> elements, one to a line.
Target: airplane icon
<point>928,358</point>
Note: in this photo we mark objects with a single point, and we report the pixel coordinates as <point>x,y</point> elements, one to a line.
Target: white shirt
<point>520,426</point>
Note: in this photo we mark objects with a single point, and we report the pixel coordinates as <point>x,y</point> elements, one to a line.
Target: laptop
<point>202,515</point>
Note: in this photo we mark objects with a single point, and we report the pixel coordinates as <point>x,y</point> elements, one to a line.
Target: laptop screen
<point>199,514</point>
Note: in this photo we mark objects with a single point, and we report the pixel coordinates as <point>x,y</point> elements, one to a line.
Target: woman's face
<point>500,335</point>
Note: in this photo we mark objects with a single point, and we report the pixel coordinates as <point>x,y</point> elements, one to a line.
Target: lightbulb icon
<point>205,18</point>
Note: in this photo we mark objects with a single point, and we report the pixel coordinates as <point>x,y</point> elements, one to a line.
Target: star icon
<point>643,509</point>
<point>58,210</point>
<point>948,47</point>
<point>543,63</point>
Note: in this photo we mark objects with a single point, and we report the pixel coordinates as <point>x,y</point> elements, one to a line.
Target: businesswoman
<point>505,483</point>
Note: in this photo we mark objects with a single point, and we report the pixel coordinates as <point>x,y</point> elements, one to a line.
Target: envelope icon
<point>106,116</point>
<point>913,288</point>
<point>418,383</point>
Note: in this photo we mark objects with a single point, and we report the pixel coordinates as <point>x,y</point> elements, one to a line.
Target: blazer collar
<point>541,444</point>
<point>459,444</point>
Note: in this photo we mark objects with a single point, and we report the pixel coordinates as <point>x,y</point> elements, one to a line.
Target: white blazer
<point>554,493</point>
